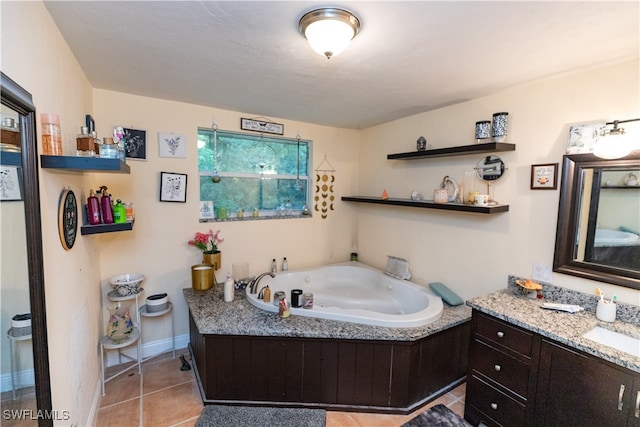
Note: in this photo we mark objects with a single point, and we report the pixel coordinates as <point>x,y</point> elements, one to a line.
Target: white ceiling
<point>409,57</point>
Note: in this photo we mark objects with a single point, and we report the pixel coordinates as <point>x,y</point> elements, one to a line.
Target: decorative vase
<point>120,324</point>
<point>213,258</point>
<point>202,277</point>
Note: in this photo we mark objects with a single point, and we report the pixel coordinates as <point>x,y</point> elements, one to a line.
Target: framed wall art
<point>544,177</point>
<point>135,143</point>
<point>172,145</point>
<point>261,126</point>
<point>10,186</point>
<point>173,187</point>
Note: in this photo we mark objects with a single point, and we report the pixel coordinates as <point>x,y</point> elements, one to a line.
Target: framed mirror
<point>20,157</point>
<point>598,230</point>
<point>490,169</point>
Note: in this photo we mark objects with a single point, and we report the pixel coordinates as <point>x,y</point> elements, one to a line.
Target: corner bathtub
<point>356,293</point>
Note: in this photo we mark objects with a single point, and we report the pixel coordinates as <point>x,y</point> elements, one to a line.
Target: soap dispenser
<point>228,288</point>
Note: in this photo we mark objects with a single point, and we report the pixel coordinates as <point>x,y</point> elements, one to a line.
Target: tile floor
<point>165,396</point>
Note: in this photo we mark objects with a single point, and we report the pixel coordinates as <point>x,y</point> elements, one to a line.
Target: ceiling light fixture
<point>614,145</point>
<point>329,30</point>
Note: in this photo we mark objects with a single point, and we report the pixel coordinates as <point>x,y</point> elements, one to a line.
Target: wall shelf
<point>11,158</point>
<point>80,164</point>
<point>428,204</point>
<point>106,228</point>
<point>490,147</point>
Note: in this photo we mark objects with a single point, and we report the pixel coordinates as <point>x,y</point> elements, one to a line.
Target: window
<point>260,176</point>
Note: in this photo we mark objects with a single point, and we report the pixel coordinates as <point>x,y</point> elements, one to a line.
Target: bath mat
<point>251,416</point>
<point>438,416</point>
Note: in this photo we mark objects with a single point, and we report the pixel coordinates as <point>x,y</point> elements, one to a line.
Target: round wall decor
<point>67,218</point>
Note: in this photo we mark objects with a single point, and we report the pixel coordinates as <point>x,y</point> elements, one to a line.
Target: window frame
<point>263,213</point>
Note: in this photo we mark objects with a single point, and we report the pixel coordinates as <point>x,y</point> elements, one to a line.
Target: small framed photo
<point>135,141</point>
<point>544,177</point>
<point>173,187</point>
<point>10,185</point>
<point>172,145</point>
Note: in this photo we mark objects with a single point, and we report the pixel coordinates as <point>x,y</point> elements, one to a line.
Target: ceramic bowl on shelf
<point>127,284</point>
<point>157,302</point>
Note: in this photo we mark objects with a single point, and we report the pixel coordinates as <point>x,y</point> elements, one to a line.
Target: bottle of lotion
<point>107,210</point>
<point>228,288</point>
<point>93,208</point>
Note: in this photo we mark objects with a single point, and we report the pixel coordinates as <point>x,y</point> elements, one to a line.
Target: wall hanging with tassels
<point>324,188</point>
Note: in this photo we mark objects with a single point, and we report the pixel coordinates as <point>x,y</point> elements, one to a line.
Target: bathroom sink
<point>615,340</point>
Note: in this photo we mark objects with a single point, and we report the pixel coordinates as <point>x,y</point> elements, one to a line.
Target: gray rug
<point>438,416</point>
<point>251,416</point>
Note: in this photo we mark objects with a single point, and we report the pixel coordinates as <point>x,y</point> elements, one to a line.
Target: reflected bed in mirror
<point>598,232</point>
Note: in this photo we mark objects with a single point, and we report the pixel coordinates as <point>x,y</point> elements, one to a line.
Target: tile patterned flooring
<point>166,396</point>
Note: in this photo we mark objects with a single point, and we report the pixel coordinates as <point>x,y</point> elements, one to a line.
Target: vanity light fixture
<point>329,30</point>
<point>614,145</point>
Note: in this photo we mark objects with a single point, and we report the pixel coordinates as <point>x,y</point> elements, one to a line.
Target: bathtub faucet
<point>253,285</point>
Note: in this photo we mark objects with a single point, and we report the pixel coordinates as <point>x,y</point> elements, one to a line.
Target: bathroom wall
<point>35,55</point>
<point>471,253</point>
<point>157,246</point>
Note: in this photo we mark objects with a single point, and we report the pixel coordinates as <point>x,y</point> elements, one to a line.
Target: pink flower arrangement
<point>207,242</point>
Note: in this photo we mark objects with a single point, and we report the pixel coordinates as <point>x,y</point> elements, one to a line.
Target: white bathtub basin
<point>622,342</point>
<point>356,293</point>
<point>607,237</point>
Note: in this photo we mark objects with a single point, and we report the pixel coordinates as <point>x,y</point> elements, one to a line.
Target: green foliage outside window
<point>257,172</point>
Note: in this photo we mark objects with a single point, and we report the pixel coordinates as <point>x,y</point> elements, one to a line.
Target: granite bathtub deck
<point>560,326</point>
<point>214,316</point>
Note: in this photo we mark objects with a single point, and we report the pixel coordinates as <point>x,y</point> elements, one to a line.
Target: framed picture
<point>10,185</point>
<point>544,177</point>
<point>135,141</point>
<point>260,126</point>
<point>173,187</point>
<point>172,145</point>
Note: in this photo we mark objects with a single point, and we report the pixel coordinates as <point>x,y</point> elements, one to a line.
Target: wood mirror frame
<point>573,168</point>
<point>15,97</point>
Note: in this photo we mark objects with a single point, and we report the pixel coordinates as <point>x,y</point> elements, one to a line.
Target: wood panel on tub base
<point>349,375</point>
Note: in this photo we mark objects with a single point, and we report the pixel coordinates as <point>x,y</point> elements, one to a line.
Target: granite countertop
<point>560,326</point>
<point>214,316</point>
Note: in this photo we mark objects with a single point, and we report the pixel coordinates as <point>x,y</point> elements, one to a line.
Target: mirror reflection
<point>15,318</point>
<point>598,230</point>
<point>490,169</point>
<point>609,221</point>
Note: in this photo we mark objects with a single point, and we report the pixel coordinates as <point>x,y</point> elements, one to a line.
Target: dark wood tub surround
<point>377,376</point>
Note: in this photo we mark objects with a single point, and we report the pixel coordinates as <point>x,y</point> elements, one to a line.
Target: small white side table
<point>145,313</point>
<point>15,336</point>
<point>107,344</point>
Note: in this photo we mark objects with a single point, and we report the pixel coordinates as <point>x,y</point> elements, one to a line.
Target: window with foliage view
<point>258,173</point>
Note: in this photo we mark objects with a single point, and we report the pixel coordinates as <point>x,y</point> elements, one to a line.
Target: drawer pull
<point>620,395</point>
<point>497,368</point>
<point>494,406</point>
<point>500,334</point>
<point>637,413</point>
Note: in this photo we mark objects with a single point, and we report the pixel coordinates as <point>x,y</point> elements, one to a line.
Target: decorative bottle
<point>274,266</point>
<point>105,204</point>
<point>228,288</point>
<point>93,208</point>
<point>119,212</point>
<point>285,264</point>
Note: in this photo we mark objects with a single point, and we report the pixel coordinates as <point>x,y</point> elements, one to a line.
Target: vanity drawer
<point>504,334</point>
<point>500,367</point>
<point>483,399</point>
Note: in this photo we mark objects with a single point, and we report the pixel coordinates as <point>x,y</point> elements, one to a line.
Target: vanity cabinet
<point>577,389</point>
<point>501,381</point>
<point>520,378</point>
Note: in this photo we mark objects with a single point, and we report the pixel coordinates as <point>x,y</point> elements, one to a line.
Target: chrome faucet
<point>253,285</point>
